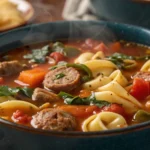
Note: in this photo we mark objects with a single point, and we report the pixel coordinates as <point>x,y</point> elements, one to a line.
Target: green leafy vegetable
<point>7,91</point>
<point>120,60</point>
<point>38,55</point>
<point>91,100</point>
<point>72,51</point>
<point>67,51</point>
<point>141,116</point>
<point>58,47</point>
<point>26,91</point>
<point>59,76</point>
<point>83,68</point>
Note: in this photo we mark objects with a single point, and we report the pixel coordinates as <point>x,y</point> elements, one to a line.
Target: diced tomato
<point>140,89</point>
<point>80,111</point>
<point>57,56</point>
<point>20,117</point>
<point>116,108</point>
<point>90,43</point>
<point>101,47</point>
<point>1,80</point>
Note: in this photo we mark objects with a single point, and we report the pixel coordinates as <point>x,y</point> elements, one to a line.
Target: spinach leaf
<point>65,50</point>
<point>120,56</point>
<point>83,68</point>
<point>72,51</point>
<point>58,47</point>
<point>91,100</point>
<point>38,55</point>
<point>8,91</point>
<point>26,91</point>
<point>120,60</point>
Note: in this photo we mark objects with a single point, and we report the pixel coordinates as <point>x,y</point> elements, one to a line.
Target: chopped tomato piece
<point>90,43</point>
<point>33,77</point>
<point>116,108</point>
<point>20,117</point>
<point>80,111</point>
<point>57,56</point>
<point>101,47</point>
<point>140,89</point>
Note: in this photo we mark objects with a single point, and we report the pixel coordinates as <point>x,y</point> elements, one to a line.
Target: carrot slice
<point>33,77</point>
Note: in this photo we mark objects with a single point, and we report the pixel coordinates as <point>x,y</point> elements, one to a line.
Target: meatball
<point>8,68</point>
<point>62,79</point>
<point>54,120</point>
<point>44,95</point>
<point>142,75</point>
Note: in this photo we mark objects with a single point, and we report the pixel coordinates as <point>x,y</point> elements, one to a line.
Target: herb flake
<point>59,76</point>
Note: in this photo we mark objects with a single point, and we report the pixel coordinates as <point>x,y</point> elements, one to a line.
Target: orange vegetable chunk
<point>33,77</point>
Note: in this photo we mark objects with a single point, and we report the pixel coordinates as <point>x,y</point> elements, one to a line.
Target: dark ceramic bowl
<point>17,137</point>
<point>125,11</point>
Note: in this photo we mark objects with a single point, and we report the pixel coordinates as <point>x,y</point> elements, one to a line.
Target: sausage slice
<point>44,95</point>
<point>8,68</point>
<point>53,119</point>
<point>62,79</point>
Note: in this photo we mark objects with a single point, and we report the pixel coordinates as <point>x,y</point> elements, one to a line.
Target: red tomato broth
<point>82,112</point>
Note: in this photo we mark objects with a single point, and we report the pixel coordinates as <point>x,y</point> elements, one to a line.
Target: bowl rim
<point>72,134</point>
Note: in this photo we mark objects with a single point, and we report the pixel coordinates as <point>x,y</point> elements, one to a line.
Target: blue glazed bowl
<point>125,11</point>
<point>17,137</point>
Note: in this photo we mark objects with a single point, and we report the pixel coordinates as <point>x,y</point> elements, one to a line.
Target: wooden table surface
<point>47,10</point>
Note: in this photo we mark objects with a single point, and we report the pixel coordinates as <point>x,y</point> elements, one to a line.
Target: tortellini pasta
<point>8,107</point>
<point>104,121</point>
<point>97,82</point>
<point>120,91</point>
<point>98,55</point>
<point>100,67</point>
<point>84,57</point>
<point>146,66</point>
<point>6,98</point>
<point>119,78</point>
<point>113,98</point>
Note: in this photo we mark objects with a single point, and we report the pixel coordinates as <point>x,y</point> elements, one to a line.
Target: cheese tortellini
<point>104,67</point>
<point>146,66</point>
<point>84,57</point>
<point>120,91</point>
<point>104,121</point>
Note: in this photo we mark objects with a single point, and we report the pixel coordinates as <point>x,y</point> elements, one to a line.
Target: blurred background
<point>136,12</point>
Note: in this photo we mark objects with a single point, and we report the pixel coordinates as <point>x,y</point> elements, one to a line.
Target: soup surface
<point>82,85</point>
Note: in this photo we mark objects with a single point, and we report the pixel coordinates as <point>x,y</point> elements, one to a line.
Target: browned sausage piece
<point>8,68</point>
<point>143,75</point>
<point>62,79</point>
<point>44,95</point>
<point>53,119</point>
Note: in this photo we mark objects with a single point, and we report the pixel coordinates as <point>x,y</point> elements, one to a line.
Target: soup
<point>82,85</point>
